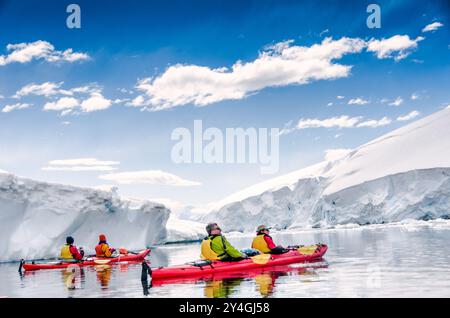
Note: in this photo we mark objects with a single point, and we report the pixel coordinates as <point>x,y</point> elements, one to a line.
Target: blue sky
<point>122,45</point>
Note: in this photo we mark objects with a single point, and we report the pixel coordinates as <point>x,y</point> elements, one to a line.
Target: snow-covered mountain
<point>35,218</point>
<point>403,174</point>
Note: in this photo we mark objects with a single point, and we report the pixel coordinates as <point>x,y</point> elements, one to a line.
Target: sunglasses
<point>217,228</point>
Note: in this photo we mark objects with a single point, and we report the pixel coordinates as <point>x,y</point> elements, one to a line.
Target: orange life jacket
<point>102,250</point>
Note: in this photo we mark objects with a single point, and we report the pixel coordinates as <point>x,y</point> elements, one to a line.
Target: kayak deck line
<point>88,262</point>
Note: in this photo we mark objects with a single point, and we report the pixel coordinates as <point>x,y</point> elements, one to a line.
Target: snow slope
<point>179,230</point>
<point>35,218</point>
<point>403,174</point>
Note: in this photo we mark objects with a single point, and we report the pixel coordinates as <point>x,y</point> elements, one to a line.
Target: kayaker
<point>264,242</point>
<point>217,247</point>
<point>71,252</point>
<point>102,249</point>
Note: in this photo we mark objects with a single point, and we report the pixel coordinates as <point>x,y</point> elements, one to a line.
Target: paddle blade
<point>261,259</point>
<point>307,250</point>
<point>102,261</point>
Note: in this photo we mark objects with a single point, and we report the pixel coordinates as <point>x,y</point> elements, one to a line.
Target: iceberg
<point>404,174</point>
<point>36,217</point>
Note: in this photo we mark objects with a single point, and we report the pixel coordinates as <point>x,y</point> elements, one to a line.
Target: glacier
<point>36,217</point>
<point>404,174</point>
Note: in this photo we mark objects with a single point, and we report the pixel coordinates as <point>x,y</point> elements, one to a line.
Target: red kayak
<point>33,266</point>
<point>202,268</point>
<point>272,271</point>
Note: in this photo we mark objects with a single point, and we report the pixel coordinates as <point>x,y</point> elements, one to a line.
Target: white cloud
<point>415,96</point>
<point>120,100</point>
<point>375,123</point>
<point>156,177</point>
<point>409,116</point>
<point>48,89</point>
<point>67,112</point>
<point>79,168</point>
<point>323,32</point>
<point>340,97</point>
<point>45,89</point>
<point>357,101</point>
<point>334,154</point>
<point>330,104</point>
<point>81,164</point>
<point>10,108</point>
<point>86,89</point>
<point>62,104</point>
<point>95,102</point>
<point>137,101</point>
<point>397,47</point>
<point>432,27</point>
<point>125,91</point>
<point>278,65</point>
<point>339,122</point>
<point>26,52</point>
<point>397,102</point>
<point>343,121</point>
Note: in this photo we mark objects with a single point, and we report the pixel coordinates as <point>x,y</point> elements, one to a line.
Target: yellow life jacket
<point>260,244</point>
<point>208,253</point>
<point>65,252</point>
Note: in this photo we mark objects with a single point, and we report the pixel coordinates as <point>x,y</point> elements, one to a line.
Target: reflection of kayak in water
<point>205,268</point>
<point>88,262</point>
<point>255,273</point>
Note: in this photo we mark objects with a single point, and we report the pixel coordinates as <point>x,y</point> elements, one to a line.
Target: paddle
<point>102,261</point>
<point>107,261</point>
<point>307,250</point>
<point>261,259</point>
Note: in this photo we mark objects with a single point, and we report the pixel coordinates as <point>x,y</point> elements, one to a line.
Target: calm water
<point>389,261</point>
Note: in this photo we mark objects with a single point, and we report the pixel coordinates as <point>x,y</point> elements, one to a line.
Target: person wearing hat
<point>264,242</point>
<point>70,251</point>
<point>102,249</point>
<point>216,247</point>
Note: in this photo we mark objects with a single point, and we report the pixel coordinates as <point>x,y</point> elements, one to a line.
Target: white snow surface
<point>180,230</point>
<point>36,217</point>
<point>403,174</point>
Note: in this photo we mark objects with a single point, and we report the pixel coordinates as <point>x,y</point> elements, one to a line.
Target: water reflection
<point>103,275</point>
<point>73,277</point>
<point>221,288</point>
<point>224,285</point>
<point>364,262</point>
